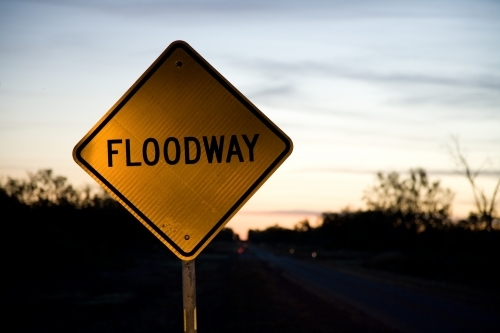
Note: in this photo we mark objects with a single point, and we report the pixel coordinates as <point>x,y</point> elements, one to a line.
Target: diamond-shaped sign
<point>182,150</point>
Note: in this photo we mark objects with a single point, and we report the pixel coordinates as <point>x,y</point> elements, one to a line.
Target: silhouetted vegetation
<point>415,202</point>
<point>408,218</point>
<point>483,217</point>
<point>77,260</point>
<point>50,226</point>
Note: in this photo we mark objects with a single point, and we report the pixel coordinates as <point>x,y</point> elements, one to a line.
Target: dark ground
<point>235,293</point>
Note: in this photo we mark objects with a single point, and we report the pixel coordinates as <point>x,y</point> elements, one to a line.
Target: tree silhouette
<point>486,207</point>
<point>415,201</point>
<point>44,189</point>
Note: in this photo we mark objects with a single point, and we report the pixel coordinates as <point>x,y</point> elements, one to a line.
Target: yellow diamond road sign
<point>182,150</point>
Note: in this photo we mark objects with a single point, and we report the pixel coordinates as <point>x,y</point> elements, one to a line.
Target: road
<point>397,307</point>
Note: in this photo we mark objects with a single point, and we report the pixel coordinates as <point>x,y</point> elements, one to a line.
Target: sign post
<point>189,296</point>
<point>183,150</point>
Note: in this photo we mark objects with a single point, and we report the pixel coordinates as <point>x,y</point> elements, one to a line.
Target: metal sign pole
<point>189,296</point>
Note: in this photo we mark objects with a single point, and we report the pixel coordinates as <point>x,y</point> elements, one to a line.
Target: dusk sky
<point>359,86</point>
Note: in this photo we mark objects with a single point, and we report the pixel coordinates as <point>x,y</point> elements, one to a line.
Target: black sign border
<point>219,78</point>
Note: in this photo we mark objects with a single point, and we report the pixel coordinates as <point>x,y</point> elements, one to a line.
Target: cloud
<point>282,212</point>
<point>466,96</point>
<point>152,8</point>
<point>276,69</point>
<point>432,172</point>
<point>463,105</point>
<point>283,90</point>
<point>354,8</point>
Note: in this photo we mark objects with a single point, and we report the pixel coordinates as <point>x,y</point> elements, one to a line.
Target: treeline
<point>406,229</point>
<point>49,226</point>
<point>379,231</point>
<point>404,214</point>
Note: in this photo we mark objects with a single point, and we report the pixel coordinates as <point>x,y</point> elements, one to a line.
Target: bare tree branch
<point>493,198</point>
<point>484,206</point>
